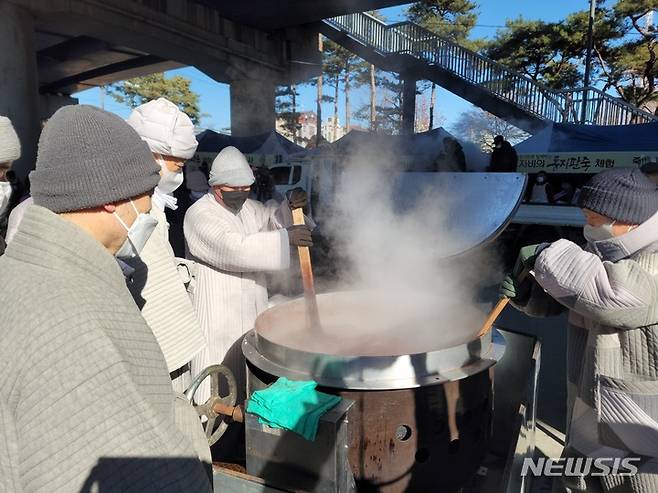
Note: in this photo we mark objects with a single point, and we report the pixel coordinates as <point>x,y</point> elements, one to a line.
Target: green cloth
<point>291,405</point>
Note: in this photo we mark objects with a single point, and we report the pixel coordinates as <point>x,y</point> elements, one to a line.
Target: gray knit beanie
<point>10,146</point>
<point>623,194</point>
<point>88,158</point>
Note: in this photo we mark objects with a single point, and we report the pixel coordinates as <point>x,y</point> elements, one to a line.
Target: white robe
<point>165,304</point>
<point>232,253</point>
<point>159,291</point>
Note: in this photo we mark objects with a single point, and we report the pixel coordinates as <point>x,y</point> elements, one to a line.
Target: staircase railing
<point>531,96</point>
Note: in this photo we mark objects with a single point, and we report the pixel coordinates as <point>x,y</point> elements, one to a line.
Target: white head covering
<point>230,167</point>
<point>165,128</point>
<point>10,146</point>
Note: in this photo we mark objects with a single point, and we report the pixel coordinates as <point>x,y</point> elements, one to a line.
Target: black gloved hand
<point>300,236</point>
<point>297,198</point>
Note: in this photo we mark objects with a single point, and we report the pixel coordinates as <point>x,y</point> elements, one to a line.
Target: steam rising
<point>397,254</point>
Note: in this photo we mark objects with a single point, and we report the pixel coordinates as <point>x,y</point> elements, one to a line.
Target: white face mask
<point>138,234</point>
<point>598,233</point>
<point>603,232</point>
<point>170,180</point>
<point>5,195</point>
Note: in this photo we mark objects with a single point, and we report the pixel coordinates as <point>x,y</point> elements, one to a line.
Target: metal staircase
<point>415,52</point>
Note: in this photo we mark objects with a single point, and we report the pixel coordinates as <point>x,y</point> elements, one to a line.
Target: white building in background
<point>331,129</point>
<point>307,129</point>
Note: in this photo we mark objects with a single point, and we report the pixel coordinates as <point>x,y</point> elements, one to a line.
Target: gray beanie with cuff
<point>88,158</point>
<point>623,194</point>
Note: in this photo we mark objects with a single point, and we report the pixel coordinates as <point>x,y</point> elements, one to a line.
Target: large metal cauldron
<point>422,388</point>
<point>423,403</point>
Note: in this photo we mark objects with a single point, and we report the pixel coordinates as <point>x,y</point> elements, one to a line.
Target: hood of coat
<point>643,239</point>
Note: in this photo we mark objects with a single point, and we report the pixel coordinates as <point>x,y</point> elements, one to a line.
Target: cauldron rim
<point>375,372</point>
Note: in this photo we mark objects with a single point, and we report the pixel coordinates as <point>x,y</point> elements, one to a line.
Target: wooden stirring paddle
<point>502,303</point>
<point>312,313</point>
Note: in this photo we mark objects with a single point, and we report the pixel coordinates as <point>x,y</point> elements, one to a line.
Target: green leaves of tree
<point>452,19</point>
<point>625,56</point>
<point>139,90</point>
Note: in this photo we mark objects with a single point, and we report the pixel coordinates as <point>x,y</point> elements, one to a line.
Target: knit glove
<point>526,259</point>
<point>517,290</point>
<point>297,198</point>
<point>509,288</point>
<point>300,236</point>
<point>513,287</point>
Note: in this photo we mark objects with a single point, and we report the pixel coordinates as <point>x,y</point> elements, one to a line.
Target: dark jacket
<point>452,157</point>
<point>504,159</point>
<point>455,155</point>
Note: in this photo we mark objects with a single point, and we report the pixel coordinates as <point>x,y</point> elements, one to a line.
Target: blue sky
<point>215,101</point>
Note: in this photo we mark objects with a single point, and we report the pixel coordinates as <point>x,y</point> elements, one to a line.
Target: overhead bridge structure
<point>52,49</point>
<point>417,53</point>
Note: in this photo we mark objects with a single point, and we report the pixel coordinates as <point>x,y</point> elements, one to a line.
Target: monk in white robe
<point>235,241</point>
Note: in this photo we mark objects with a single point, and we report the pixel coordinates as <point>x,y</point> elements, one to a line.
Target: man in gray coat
<point>611,290</point>
<point>85,396</point>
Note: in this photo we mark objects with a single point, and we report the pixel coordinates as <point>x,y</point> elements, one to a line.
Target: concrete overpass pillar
<point>408,105</point>
<point>19,83</point>
<point>252,106</point>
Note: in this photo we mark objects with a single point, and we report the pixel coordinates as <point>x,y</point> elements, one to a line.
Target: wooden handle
<point>312,313</point>
<point>493,315</point>
<point>500,306</point>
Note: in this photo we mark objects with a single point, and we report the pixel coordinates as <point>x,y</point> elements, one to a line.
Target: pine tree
<point>286,110</point>
<point>139,90</point>
<point>451,19</point>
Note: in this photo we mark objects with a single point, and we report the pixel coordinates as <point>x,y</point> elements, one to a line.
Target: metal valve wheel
<point>216,423</point>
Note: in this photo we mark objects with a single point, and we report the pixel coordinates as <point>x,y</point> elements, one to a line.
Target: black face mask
<point>234,200</point>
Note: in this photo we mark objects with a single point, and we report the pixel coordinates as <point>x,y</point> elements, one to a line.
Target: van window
<point>280,175</point>
<point>296,174</point>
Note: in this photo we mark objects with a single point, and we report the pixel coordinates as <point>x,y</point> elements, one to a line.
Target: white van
<point>318,177</point>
